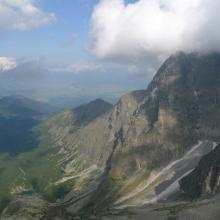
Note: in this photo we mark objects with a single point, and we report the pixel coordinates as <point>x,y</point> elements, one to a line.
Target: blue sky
<point>57,48</point>
<point>65,38</point>
<point>44,53</point>
<point>73,19</point>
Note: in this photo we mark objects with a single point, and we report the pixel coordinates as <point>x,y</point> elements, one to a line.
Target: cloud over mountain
<point>154,28</point>
<point>23,15</point>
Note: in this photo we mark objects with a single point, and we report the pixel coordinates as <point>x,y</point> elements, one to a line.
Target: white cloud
<point>154,28</point>
<point>23,15</point>
<point>7,64</point>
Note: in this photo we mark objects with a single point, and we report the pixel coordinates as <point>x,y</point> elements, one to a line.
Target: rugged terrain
<point>145,131</point>
<point>34,166</point>
<point>133,154</point>
<point>204,180</point>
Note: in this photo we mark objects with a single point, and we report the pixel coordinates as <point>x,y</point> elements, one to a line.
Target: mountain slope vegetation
<point>18,115</point>
<point>29,158</point>
<point>134,153</point>
<point>117,159</point>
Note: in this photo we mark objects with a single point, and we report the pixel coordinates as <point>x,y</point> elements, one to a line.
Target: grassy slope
<point>35,170</point>
<point>28,157</point>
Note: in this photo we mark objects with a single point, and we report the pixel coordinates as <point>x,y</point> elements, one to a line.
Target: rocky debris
<point>157,126</point>
<point>204,180</point>
<point>144,132</point>
<point>32,207</point>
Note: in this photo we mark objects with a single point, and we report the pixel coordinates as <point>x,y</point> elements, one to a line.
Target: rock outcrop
<point>117,157</point>
<point>204,180</point>
<point>147,129</point>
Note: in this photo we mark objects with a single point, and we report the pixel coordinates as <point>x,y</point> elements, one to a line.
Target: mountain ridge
<point>156,126</point>
<point>116,159</point>
<point>18,105</point>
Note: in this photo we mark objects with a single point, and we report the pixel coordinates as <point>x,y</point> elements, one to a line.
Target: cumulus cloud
<point>23,15</point>
<point>154,28</point>
<point>7,64</point>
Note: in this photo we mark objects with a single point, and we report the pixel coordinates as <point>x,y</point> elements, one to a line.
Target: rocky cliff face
<point>204,180</point>
<point>127,153</point>
<point>145,130</point>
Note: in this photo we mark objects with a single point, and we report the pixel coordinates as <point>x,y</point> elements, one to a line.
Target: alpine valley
<point>154,155</point>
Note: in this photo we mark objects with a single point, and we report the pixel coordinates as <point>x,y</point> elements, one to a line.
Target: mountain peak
<point>184,71</point>
<point>90,111</point>
<point>115,150</point>
<point>96,103</point>
<point>93,105</point>
<point>188,64</point>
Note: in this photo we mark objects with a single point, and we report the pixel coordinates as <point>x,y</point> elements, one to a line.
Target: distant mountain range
<point>18,115</point>
<point>156,146</point>
<point>25,145</point>
<point>19,105</point>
